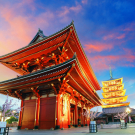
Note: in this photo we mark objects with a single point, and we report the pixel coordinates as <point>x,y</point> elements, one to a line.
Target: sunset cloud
<point>121,36</point>
<point>97,47</point>
<point>102,62</point>
<point>114,36</point>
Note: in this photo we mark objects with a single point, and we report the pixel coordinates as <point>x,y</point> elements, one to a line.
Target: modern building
<point>56,83</point>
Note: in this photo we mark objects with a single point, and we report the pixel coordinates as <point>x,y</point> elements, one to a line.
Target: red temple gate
<point>57,84</point>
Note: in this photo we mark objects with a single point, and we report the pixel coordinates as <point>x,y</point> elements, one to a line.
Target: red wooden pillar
<point>57,112</point>
<point>37,113</point>
<point>76,115</point>
<point>20,116</point>
<point>82,117</point>
<point>69,113</point>
<point>86,119</point>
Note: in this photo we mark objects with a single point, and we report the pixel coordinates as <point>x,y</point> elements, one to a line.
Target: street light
<point>14,111</point>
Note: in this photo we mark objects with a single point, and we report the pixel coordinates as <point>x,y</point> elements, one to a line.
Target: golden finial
<point>111,72</point>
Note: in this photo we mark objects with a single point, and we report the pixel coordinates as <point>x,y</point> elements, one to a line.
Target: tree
<point>6,108</point>
<point>92,114</point>
<point>121,116</point>
<point>11,119</point>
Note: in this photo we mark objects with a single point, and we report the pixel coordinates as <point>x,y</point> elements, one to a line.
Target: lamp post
<point>128,111</point>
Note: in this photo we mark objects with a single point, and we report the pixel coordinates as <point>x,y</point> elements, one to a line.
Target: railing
<point>4,130</point>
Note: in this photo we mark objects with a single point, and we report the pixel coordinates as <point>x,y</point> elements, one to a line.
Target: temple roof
<point>39,36</point>
<point>114,109</point>
<point>116,105</point>
<point>33,43</point>
<point>110,98</point>
<point>113,79</point>
<point>115,91</point>
<point>51,44</point>
<point>52,75</point>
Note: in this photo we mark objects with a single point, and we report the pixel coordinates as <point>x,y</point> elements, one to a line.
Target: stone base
<point>36,127</point>
<point>57,127</point>
<point>19,127</point>
<point>86,125</point>
<point>76,125</point>
<point>82,125</point>
<point>68,126</point>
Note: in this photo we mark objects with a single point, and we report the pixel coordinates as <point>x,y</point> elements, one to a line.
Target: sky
<point>106,29</point>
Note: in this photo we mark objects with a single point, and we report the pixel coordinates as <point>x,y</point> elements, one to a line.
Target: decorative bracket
<point>19,95</point>
<point>55,91</point>
<point>10,91</point>
<point>36,92</point>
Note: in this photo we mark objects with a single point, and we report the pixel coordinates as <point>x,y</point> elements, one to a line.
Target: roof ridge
<point>68,26</point>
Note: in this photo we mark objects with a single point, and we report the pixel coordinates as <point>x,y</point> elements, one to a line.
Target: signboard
<point>2,124</point>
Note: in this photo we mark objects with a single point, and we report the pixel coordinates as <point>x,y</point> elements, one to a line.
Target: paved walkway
<point>74,131</point>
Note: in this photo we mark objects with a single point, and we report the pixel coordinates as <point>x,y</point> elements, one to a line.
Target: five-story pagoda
<point>114,93</point>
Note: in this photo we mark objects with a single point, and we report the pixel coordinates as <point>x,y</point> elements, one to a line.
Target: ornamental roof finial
<point>72,22</point>
<point>39,30</point>
<point>111,72</point>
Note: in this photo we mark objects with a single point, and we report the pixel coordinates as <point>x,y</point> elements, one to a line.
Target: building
<point>113,93</point>
<point>56,83</point>
<point>114,100</point>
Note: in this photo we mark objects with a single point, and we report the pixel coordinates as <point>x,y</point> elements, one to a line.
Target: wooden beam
<point>19,95</point>
<point>55,91</point>
<point>73,65</point>
<point>36,92</point>
<point>67,37</point>
<point>10,92</point>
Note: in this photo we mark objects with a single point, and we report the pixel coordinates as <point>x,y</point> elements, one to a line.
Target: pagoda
<point>114,93</point>
<point>114,101</point>
<point>56,83</point>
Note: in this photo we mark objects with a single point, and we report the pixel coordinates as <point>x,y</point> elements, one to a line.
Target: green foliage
<point>11,119</point>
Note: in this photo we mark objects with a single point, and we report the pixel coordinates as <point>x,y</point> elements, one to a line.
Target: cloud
<point>76,8</point>
<point>114,36</point>
<point>108,37</point>
<point>84,1</point>
<point>67,10</point>
<point>129,27</point>
<point>121,36</point>
<point>18,28</point>
<point>102,62</point>
<point>97,47</point>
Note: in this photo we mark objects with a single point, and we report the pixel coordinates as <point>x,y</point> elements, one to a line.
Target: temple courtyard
<point>75,131</point>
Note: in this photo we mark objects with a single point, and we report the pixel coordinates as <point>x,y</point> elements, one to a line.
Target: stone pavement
<point>75,131</point>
